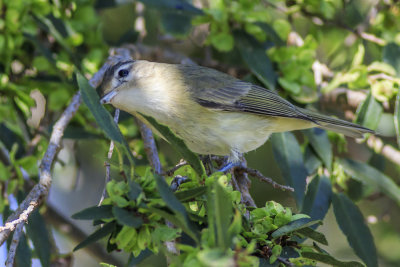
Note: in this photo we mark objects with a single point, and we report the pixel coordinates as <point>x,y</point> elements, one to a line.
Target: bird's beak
<point>106,99</point>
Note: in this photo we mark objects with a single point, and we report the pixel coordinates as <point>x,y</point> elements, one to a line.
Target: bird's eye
<point>123,73</point>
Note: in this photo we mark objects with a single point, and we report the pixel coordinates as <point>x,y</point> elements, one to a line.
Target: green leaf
<point>320,143</point>
<point>191,193</point>
<point>176,220</point>
<point>289,158</point>
<point>254,54</point>
<point>222,212</point>
<point>369,113</point>
<point>94,213</point>
<point>314,235</point>
<point>179,145</point>
<point>125,217</point>
<point>352,224</point>
<point>328,259</point>
<point>318,198</point>
<point>173,203</point>
<point>294,226</point>
<point>371,176</point>
<point>24,254</point>
<point>391,55</point>
<point>107,229</point>
<point>101,115</point>
<point>222,41</point>
<point>37,232</point>
<point>311,161</point>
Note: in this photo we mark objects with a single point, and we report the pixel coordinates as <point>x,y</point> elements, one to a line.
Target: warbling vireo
<point>214,113</point>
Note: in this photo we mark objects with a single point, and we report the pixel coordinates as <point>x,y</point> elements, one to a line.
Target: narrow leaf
<point>190,194</point>
<point>311,161</point>
<point>223,215</point>
<point>314,235</point>
<point>179,145</point>
<point>101,115</point>
<point>352,224</point>
<point>321,144</point>
<point>255,56</point>
<point>294,226</point>
<point>328,259</point>
<point>125,217</point>
<point>39,235</point>
<point>94,213</point>
<point>318,198</point>
<point>107,229</point>
<point>288,155</point>
<point>371,176</point>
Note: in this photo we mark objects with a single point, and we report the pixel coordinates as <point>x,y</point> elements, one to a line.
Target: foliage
<point>302,48</point>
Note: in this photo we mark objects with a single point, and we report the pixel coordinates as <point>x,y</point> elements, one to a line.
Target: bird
<point>212,112</point>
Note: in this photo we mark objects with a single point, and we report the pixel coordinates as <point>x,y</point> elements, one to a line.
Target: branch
<point>107,163</point>
<point>14,245</point>
<point>258,174</point>
<point>242,183</point>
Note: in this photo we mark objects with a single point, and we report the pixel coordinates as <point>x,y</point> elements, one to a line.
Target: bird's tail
<point>337,125</point>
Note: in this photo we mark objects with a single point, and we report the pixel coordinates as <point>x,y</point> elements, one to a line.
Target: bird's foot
<point>229,166</point>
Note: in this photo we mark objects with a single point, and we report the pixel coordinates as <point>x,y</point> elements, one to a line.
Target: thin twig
<point>107,163</point>
<point>261,177</point>
<point>14,245</point>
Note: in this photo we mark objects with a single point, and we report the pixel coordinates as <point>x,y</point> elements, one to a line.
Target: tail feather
<point>337,125</point>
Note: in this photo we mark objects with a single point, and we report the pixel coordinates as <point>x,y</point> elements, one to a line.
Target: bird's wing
<point>239,96</point>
